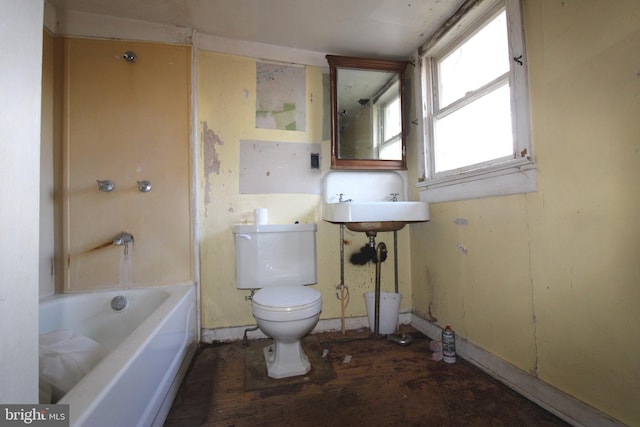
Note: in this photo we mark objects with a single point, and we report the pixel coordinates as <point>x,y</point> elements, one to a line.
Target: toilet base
<point>286,360</point>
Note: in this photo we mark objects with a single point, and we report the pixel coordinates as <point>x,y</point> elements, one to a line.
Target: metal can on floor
<point>448,345</point>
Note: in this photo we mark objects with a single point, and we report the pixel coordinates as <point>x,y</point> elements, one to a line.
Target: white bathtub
<point>150,345</point>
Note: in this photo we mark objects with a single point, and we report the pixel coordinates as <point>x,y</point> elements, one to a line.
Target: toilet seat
<point>286,303</point>
<point>282,296</point>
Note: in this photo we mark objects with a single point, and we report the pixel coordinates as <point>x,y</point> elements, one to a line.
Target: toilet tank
<point>275,254</point>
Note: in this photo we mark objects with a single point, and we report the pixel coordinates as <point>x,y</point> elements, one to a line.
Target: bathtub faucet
<point>123,238</point>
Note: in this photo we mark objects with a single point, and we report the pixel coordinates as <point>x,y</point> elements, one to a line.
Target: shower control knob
<point>144,186</point>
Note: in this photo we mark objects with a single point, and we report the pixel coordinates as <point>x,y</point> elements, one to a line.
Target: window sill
<point>513,179</point>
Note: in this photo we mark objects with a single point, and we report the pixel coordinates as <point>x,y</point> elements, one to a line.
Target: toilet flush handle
<point>243,236</point>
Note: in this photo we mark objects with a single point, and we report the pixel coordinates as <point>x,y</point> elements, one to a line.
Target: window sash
<point>501,136</point>
<point>470,97</point>
<point>466,39</point>
<point>472,17</point>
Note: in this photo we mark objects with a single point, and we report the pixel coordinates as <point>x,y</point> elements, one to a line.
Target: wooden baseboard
<point>545,395</point>
<point>324,325</point>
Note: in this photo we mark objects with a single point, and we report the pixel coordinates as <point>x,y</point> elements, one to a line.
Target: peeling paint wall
<point>550,281</point>
<point>211,160</point>
<point>226,114</point>
<point>278,167</point>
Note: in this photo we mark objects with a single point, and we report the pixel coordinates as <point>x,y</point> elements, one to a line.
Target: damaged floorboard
<point>383,384</point>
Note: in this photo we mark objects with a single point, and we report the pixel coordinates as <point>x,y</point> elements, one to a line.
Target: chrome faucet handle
<point>105,185</point>
<point>343,200</point>
<point>394,196</point>
<point>144,186</point>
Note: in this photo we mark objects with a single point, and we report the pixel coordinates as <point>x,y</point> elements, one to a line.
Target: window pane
<point>476,133</point>
<point>478,61</point>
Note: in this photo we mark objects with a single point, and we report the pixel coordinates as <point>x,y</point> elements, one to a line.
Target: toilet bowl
<point>286,314</point>
<point>280,260</point>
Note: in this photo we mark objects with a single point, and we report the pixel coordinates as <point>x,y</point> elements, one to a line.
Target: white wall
<point>20,102</point>
<point>47,189</point>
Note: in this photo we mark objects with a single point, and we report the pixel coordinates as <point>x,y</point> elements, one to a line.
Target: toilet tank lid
<point>286,296</point>
<point>272,228</point>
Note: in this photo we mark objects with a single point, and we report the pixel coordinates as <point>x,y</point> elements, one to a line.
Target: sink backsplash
<point>363,186</point>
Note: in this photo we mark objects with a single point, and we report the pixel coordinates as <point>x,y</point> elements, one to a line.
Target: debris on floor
<point>436,349</point>
<point>379,383</point>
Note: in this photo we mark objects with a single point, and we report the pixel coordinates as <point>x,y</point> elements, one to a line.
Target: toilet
<point>279,260</point>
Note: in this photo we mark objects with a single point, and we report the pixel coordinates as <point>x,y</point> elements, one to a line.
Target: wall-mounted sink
<point>374,227</point>
<point>375,211</point>
<point>368,204</point>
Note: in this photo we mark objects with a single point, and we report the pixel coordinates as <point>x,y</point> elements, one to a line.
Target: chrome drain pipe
<point>381,255</point>
<point>395,259</point>
<point>245,340</point>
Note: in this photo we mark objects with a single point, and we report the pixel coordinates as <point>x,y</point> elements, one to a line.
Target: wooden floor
<point>383,384</point>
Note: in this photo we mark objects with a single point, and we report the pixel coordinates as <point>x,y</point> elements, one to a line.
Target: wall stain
<point>101,246</point>
<point>211,158</point>
<point>462,248</point>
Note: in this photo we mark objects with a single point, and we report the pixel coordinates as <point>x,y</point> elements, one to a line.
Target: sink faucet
<point>394,197</point>
<point>123,238</point>
<point>343,200</point>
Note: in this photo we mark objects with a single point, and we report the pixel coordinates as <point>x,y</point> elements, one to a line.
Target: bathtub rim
<point>115,288</point>
<point>83,396</point>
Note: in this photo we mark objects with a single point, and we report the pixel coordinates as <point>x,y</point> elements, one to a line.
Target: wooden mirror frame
<point>336,62</point>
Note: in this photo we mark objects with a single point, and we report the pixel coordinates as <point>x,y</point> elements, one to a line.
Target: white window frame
<point>493,178</point>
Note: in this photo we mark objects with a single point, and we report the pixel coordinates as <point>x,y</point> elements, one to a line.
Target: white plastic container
<point>389,311</point>
<point>261,216</point>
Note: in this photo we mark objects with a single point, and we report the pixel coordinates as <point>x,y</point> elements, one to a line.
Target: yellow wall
<point>226,109</point>
<point>126,122</point>
<point>112,132</point>
<point>550,281</point>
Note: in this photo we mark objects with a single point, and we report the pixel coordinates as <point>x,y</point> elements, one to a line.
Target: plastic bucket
<point>389,311</point>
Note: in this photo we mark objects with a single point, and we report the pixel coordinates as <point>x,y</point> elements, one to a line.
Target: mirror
<point>367,113</point>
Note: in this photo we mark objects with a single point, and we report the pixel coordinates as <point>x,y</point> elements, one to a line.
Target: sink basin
<point>371,208</point>
<point>374,227</point>
<point>375,216</point>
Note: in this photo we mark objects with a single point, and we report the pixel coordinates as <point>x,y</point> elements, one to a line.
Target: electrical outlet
<point>315,160</point>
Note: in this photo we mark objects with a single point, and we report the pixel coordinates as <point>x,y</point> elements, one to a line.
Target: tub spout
<point>123,238</point>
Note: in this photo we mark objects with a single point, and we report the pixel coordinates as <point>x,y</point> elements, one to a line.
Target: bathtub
<point>148,345</point>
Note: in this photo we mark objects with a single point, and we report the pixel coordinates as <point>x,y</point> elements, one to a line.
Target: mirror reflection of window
<point>367,120</point>
<point>369,116</point>
<point>390,125</point>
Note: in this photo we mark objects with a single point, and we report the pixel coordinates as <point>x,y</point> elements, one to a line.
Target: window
<point>475,124</point>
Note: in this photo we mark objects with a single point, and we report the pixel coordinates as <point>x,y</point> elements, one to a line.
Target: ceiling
<point>373,28</point>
